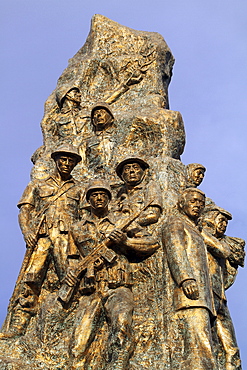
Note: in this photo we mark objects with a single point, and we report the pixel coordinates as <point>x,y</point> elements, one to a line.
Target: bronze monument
<point>127,261</point>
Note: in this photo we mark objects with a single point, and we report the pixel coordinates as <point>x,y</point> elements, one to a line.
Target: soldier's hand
<point>190,289</point>
<point>70,278</point>
<point>118,236</point>
<point>135,78</point>
<point>30,239</point>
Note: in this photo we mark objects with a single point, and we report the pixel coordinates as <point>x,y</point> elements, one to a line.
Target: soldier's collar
<point>133,188</point>
<point>69,110</point>
<point>144,183</point>
<point>109,130</point>
<point>55,178</point>
<point>64,111</point>
<point>110,218</point>
<point>188,220</point>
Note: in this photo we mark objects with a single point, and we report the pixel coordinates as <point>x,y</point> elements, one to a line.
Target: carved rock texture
<point>112,56</point>
<point>131,71</point>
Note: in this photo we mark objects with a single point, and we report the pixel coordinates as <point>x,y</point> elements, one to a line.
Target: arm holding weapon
<point>134,78</point>
<point>102,251</point>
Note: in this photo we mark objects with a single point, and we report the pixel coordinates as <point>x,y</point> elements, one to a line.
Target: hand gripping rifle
<point>28,254</point>
<point>101,251</point>
<point>29,251</point>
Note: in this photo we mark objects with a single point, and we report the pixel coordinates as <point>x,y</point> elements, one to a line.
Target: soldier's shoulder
<point>79,188</point>
<point>78,183</point>
<point>44,183</point>
<point>40,182</point>
<point>34,183</point>
<point>153,184</point>
<point>79,225</point>
<point>174,220</point>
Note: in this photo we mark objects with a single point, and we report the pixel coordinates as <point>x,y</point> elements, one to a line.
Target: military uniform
<point>108,286</point>
<point>69,124</point>
<point>99,149</point>
<point>83,237</point>
<point>132,200</point>
<point>223,325</point>
<point>187,259</point>
<point>57,205</point>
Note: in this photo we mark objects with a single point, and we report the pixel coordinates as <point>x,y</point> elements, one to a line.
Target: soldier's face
<point>74,95</point>
<point>101,118</point>
<point>198,176</point>
<point>193,205</point>
<point>65,164</point>
<point>99,199</point>
<point>132,173</point>
<point>220,224</point>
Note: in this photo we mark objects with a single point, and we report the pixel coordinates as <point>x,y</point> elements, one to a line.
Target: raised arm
<point>218,248</point>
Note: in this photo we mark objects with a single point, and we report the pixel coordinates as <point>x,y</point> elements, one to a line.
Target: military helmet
<point>195,166</point>
<point>61,93</point>
<point>130,159</point>
<point>67,149</point>
<point>225,213</point>
<point>192,190</point>
<point>98,184</point>
<point>218,210</point>
<point>100,105</point>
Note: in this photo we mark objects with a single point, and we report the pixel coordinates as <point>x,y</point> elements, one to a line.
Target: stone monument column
<point>117,272</point>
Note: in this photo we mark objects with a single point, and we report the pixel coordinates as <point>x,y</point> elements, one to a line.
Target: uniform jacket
<point>187,259</point>
<point>86,234</point>
<point>60,203</point>
<point>217,265</point>
<point>139,196</point>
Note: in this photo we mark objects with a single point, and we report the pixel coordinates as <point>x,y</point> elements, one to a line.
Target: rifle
<point>16,292</point>
<point>101,251</point>
<point>27,257</point>
<point>29,251</point>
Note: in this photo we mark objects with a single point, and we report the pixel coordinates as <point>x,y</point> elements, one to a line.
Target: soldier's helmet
<point>130,159</point>
<point>192,190</point>
<point>98,184</point>
<point>61,93</point>
<point>67,149</point>
<point>224,212</point>
<point>100,105</point>
<point>195,166</point>
<point>213,211</point>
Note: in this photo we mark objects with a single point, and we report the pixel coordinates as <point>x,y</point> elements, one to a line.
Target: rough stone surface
<point>130,71</point>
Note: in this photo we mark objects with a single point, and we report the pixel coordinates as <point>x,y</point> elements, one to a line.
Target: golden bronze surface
<point>127,261</point>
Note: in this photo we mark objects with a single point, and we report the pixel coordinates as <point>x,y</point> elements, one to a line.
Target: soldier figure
<point>137,190</point>
<point>68,100</point>
<point>47,209</point>
<point>190,284</point>
<point>195,174</point>
<point>221,265</point>
<point>101,116</point>
<point>106,286</point>
<point>100,145</point>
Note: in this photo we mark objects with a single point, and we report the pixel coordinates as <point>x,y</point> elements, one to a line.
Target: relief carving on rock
<point>127,261</point>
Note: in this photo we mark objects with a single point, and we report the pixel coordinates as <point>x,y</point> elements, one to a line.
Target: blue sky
<point>208,40</point>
